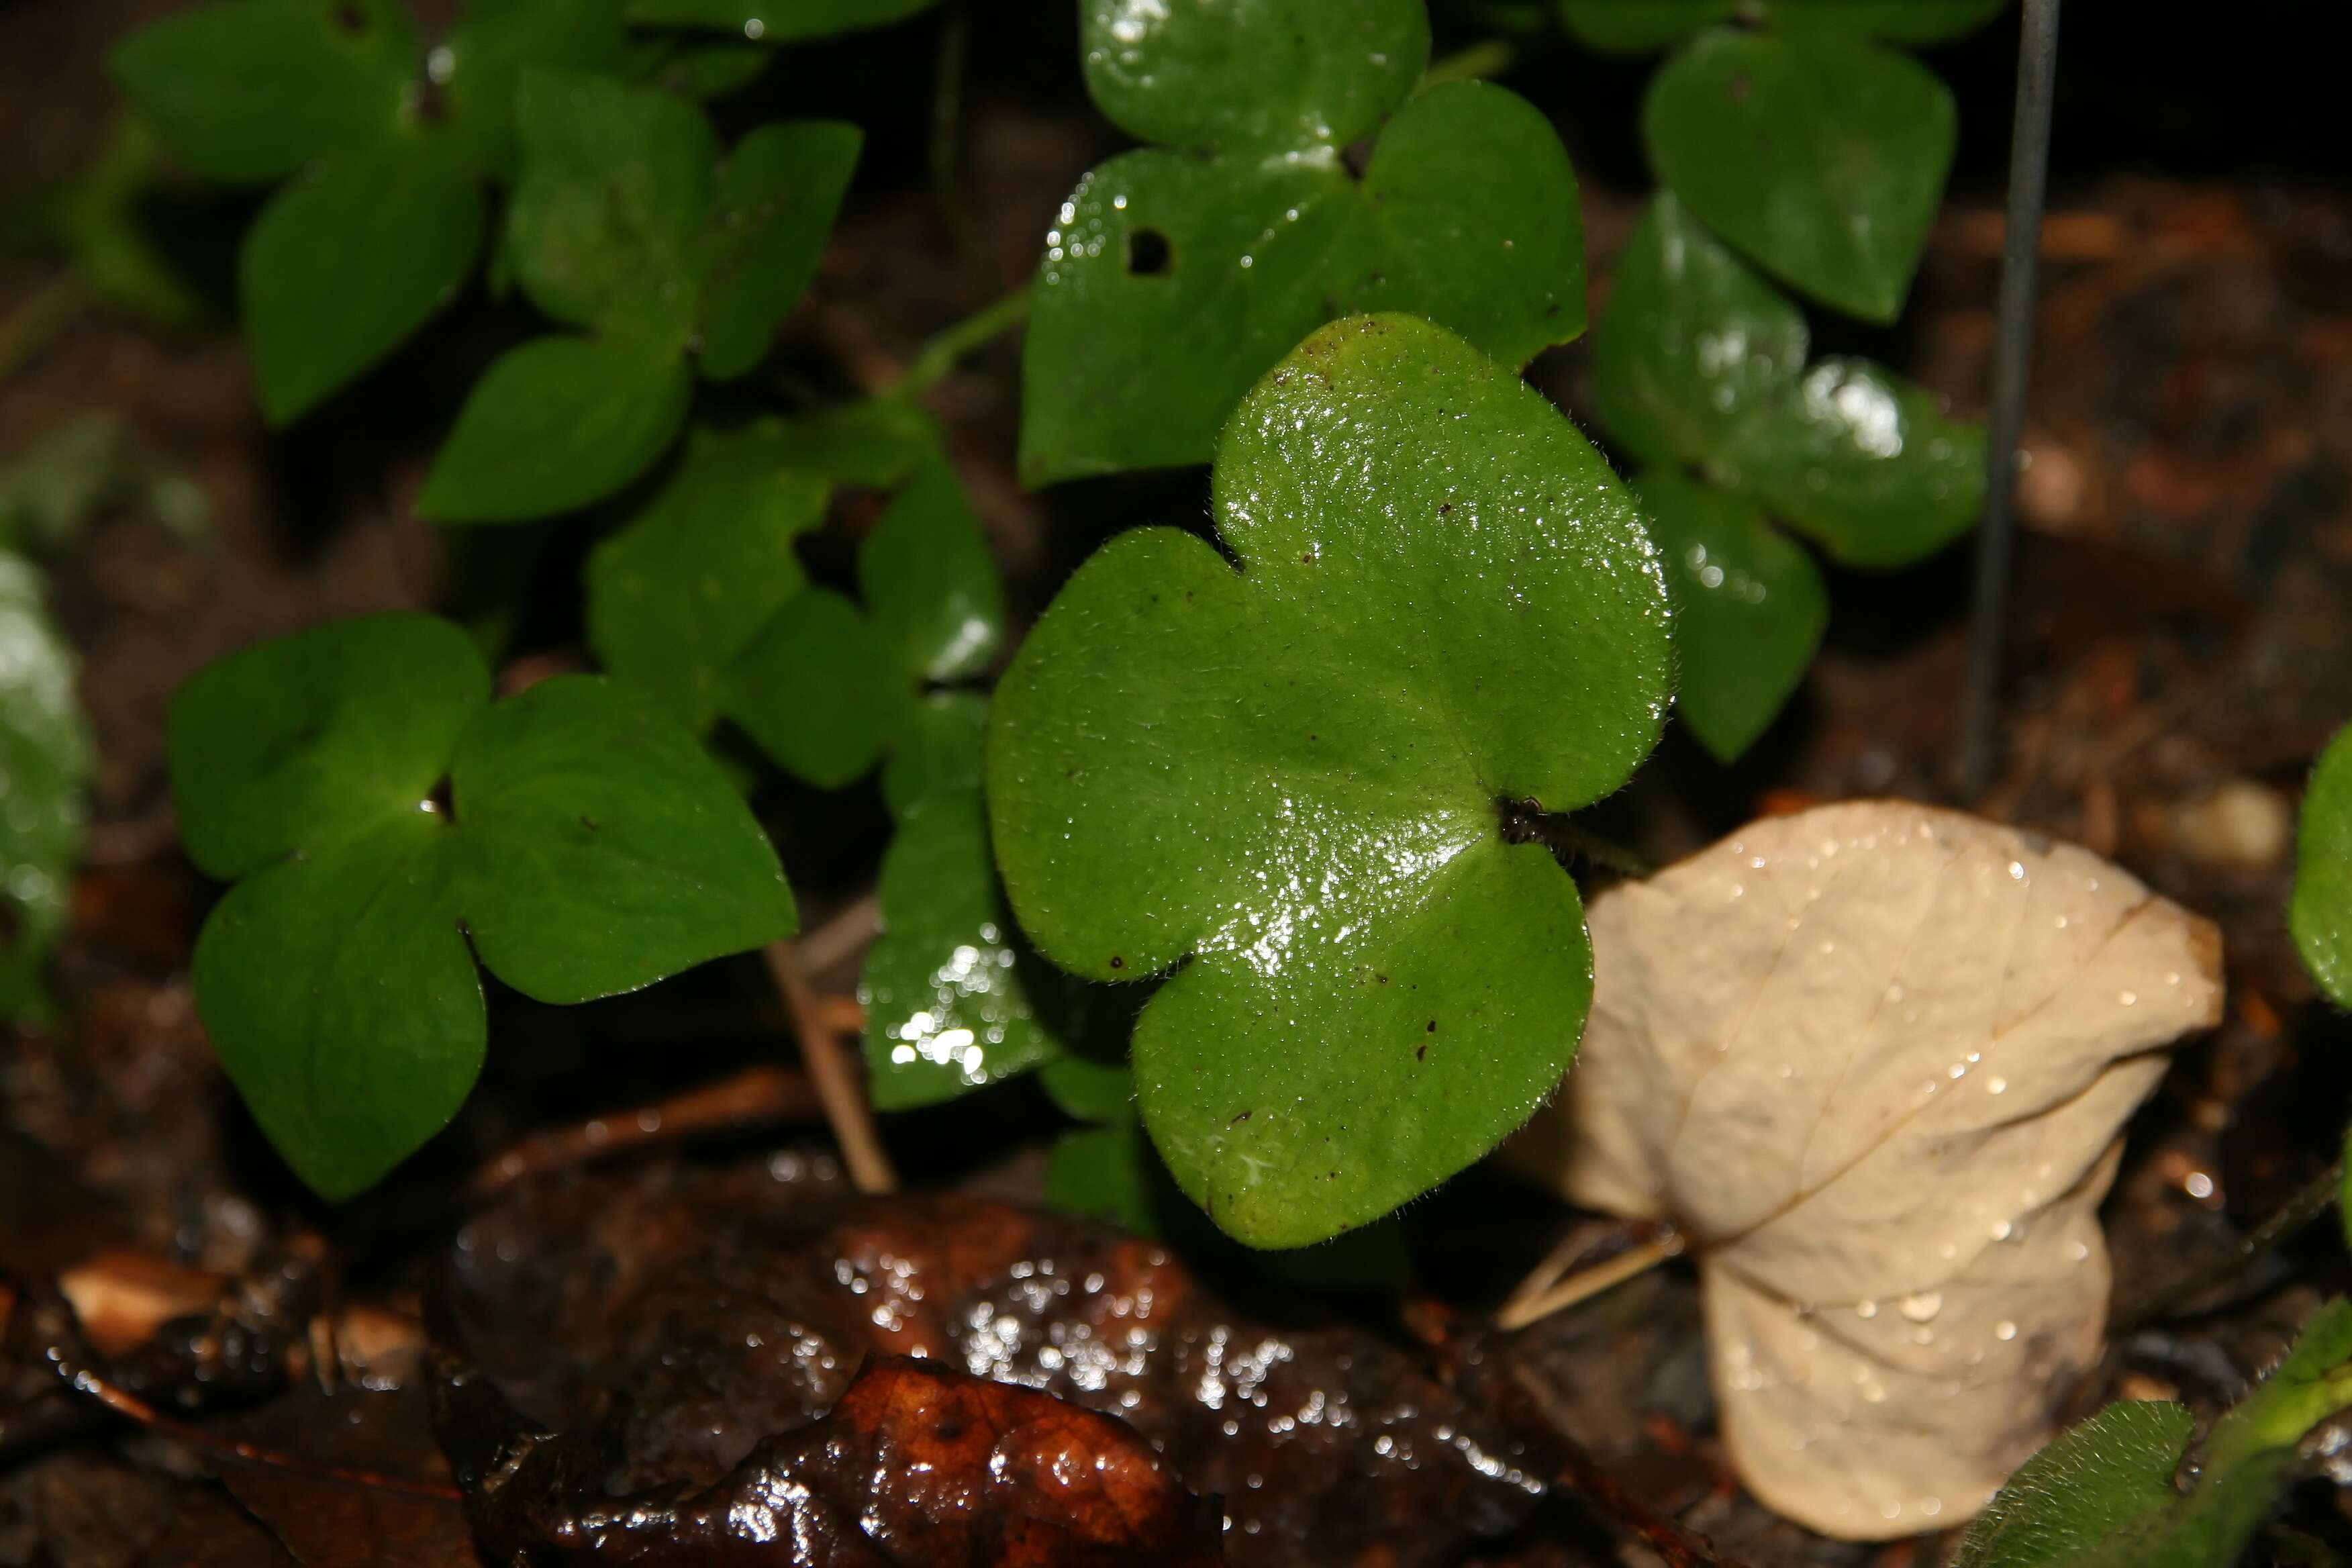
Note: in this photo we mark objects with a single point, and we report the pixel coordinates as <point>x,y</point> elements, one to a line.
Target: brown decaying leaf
<point>1872,1061</point>
<point>330,1520</point>
<point>915,1465</point>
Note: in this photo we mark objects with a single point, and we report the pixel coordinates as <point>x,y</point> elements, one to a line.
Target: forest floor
<point>2181,645</point>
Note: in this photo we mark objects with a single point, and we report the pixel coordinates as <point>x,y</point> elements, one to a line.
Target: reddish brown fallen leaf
<point>340,1521</point>
<point>916,1465</point>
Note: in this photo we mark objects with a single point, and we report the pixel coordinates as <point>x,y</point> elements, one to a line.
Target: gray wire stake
<point>2029,169</point>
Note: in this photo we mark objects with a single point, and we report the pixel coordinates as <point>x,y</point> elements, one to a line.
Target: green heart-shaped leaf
<point>947,1010</point>
<point>2321,914</point>
<point>1698,361</point>
<point>827,689</point>
<point>337,989</point>
<point>606,220</point>
<point>251,90</point>
<point>600,849</point>
<point>1176,277</point>
<point>1822,157</point>
<point>1252,76</point>
<point>1693,342</point>
<point>1089,1089</point>
<point>776,202</point>
<point>300,743</point>
<point>675,596</point>
<point>45,760</point>
<point>1750,608</point>
<point>556,424</point>
<point>1291,774</point>
<point>775,21</point>
<point>343,266</point>
<point>1862,462</point>
<point>594,848</point>
<point>1104,1172</point>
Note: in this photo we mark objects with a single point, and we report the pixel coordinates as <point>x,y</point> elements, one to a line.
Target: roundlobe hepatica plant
<point>1289,781</point>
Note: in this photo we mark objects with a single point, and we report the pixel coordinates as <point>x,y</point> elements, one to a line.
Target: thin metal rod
<point>2029,169</point>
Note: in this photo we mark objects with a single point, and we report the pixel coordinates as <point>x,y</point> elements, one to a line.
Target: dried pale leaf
<point>1872,1061</point>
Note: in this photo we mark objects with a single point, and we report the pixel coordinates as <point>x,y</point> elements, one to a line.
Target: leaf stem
<point>975,332</point>
<point>46,312</point>
<point>1481,61</point>
<point>1542,1293</point>
<point>840,1088</point>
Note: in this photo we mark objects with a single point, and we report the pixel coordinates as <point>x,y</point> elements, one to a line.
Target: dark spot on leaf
<point>1445,508</point>
<point>1551,311</point>
<point>589,823</point>
<point>350,18</point>
<point>1420,1053</point>
<point>1308,559</point>
<point>1116,961</point>
<point>1149,254</point>
<point>1237,1120</point>
<point>1433,1025</point>
<point>1739,88</point>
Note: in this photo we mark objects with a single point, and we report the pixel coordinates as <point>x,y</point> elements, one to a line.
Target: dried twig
<point>749,1099</point>
<point>840,1087</point>
<point>848,933</point>
<point>1544,1291</point>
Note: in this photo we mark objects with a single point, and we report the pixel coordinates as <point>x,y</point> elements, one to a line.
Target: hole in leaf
<point>1149,254</point>
<point>1357,156</point>
<point>350,18</point>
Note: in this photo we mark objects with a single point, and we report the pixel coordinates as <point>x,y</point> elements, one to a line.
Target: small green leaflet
<point>1290,774</point>
<point>1821,155</point>
<point>1103,1168</point>
<point>624,223</point>
<point>1177,274</point>
<point>45,760</point>
<point>1698,363</point>
<point>588,846</point>
<point>2321,914</point>
<point>2103,1494</point>
<point>389,145</point>
<point>1750,608</point>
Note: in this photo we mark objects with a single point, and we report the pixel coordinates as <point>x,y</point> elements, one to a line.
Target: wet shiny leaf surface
<point>946,1006</point>
<point>1750,608</point>
<point>1693,343</point>
<point>2321,914</point>
<point>1822,157</point>
<point>1862,462</point>
<point>1290,774</point>
<point>1177,276</point>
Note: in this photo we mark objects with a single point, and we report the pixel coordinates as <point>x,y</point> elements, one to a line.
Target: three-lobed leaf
<point>1290,773</point>
<point>1750,608</point>
<point>589,846</point>
<point>1821,155</point>
<point>2321,912</point>
<point>1178,275</point>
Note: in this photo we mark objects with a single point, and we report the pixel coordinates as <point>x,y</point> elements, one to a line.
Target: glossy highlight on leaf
<point>588,846</point>
<point>1749,609</point>
<point>1822,157</point>
<point>2321,913</point>
<point>1176,275</point>
<point>947,1009</point>
<point>1290,774</point>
